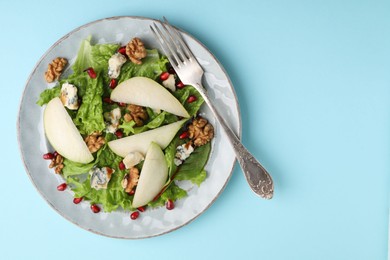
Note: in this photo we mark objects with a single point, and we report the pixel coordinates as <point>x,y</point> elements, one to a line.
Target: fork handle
<point>257,177</point>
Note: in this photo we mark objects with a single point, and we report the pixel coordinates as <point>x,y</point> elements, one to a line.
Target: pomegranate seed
<point>62,187</point>
<point>119,133</point>
<point>134,215</point>
<point>170,205</point>
<point>132,192</point>
<point>55,154</point>
<point>108,100</point>
<point>95,208</point>
<point>164,75</point>
<point>122,166</point>
<point>113,83</point>
<point>180,85</point>
<point>191,99</point>
<point>142,209</point>
<point>184,135</point>
<point>77,200</point>
<point>122,50</point>
<point>171,70</point>
<point>48,156</point>
<point>121,104</point>
<point>91,72</point>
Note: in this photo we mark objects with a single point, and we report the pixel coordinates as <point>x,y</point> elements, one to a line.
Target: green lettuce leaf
<point>111,198</point>
<point>173,192</point>
<point>95,56</point>
<point>170,152</point>
<point>128,127</point>
<point>193,167</point>
<point>73,168</point>
<point>152,66</point>
<point>89,117</point>
<point>157,121</point>
<point>49,94</point>
<point>183,94</point>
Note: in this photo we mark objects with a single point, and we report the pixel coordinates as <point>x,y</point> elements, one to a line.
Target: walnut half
<point>135,50</point>
<point>200,131</point>
<point>57,163</point>
<point>136,113</point>
<point>130,180</point>
<point>94,141</point>
<point>55,69</point>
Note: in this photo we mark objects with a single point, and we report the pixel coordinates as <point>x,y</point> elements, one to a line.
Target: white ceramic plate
<point>153,222</point>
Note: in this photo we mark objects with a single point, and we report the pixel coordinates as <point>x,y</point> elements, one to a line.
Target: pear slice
<point>140,142</point>
<point>63,134</point>
<point>146,92</point>
<point>153,176</point>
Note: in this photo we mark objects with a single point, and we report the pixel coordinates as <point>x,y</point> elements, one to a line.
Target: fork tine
<point>179,38</point>
<point>166,45</point>
<point>173,39</point>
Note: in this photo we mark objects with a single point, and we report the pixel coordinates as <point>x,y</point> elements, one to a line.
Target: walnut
<point>135,50</point>
<point>57,163</point>
<point>137,113</point>
<point>55,69</point>
<point>130,180</point>
<point>200,131</point>
<point>94,141</point>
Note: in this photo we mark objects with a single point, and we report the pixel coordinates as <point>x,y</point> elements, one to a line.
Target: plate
<point>153,222</point>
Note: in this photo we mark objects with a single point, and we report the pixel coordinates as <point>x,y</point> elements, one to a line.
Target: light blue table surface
<point>313,82</point>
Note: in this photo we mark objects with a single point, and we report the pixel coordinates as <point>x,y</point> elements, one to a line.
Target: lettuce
<point>95,56</point>
<point>128,127</point>
<point>152,66</point>
<point>89,117</point>
<point>48,94</point>
<point>158,120</point>
<point>192,168</point>
<point>73,168</point>
<point>173,192</point>
<point>183,94</point>
<point>111,198</point>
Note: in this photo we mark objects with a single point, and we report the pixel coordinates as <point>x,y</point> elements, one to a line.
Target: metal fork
<point>190,73</point>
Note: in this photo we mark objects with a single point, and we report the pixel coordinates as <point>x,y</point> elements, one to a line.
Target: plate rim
<point>23,96</point>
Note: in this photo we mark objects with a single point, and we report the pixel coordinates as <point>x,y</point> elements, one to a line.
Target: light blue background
<point>313,82</point>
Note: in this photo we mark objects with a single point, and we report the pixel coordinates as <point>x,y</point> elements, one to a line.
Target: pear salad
<point>123,129</point>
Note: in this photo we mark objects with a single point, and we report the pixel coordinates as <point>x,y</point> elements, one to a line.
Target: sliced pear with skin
<point>140,142</point>
<point>153,176</point>
<point>146,92</point>
<point>63,135</point>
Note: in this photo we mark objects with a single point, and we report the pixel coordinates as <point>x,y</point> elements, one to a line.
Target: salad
<point>124,128</point>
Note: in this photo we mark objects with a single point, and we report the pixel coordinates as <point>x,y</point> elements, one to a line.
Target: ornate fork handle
<point>257,177</point>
